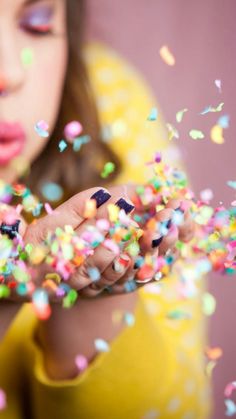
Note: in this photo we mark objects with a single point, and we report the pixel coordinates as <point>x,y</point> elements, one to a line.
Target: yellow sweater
<point>155,368</point>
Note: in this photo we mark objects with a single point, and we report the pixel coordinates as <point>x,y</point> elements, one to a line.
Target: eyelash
<point>36,31</point>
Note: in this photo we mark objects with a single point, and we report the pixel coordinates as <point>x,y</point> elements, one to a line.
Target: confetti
<point>196,134</point>
<point>72,130</point>
<point>180,114</point>
<point>167,56</point>
<point>42,129</point>
<point>229,389</point>
<point>81,362</point>
<point>230,407</point>
<point>62,145</point>
<point>101,345</point>
<point>109,168</point>
<point>223,121</point>
<point>153,115</point>
<point>209,304</point>
<point>172,131</point>
<point>218,85</point>
<point>216,134</point>
<point>212,109</point>
<point>52,191</point>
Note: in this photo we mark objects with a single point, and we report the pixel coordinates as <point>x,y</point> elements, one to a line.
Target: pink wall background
<point>201,35</point>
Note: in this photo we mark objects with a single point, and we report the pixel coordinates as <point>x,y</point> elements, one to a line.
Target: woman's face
<point>33,61</point>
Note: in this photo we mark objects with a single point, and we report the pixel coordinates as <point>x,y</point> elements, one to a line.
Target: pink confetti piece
<point>81,362</point>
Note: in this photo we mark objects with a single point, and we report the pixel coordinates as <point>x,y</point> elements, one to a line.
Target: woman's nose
<point>12,72</point>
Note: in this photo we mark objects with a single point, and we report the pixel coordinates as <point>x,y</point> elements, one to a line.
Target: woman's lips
<point>12,141</point>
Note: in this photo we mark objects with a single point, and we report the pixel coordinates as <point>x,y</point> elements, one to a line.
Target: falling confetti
<point>218,85</point>
<point>52,191</point>
<point>72,130</point>
<point>216,134</point>
<point>62,145</point>
<point>172,131</point>
<point>209,109</point>
<point>101,345</point>
<point>109,168</point>
<point>180,114</point>
<point>42,129</point>
<point>81,362</point>
<point>153,115</point>
<point>196,134</point>
<point>167,56</point>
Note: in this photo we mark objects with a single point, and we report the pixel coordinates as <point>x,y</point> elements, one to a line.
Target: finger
<point>70,212</point>
<point>169,240</point>
<point>109,276</point>
<point>155,231</point>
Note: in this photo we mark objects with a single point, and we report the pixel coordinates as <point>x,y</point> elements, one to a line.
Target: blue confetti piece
<point>129,319</point>
<point>52,191</point>
<point>94,274</point>
<point>101,345</point>
<point>232,183</point>
<point>79,141</point>
<point>153,115</point>
<point>223,121</point>
<point>230,407</point>
<point>62,145</point>
<point>130,286</point>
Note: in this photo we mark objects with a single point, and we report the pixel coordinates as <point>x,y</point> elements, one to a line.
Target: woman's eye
<point>38,21</point>
<point>38,30</point>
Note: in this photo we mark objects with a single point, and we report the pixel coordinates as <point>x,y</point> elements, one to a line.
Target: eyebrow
<point>29,2</point>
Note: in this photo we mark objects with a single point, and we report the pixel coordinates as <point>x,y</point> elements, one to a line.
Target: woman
<point>149,371</point>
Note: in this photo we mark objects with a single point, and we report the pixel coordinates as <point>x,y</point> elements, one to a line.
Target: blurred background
<point>201,35</point>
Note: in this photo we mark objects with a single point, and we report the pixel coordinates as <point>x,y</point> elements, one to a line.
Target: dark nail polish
<point>157,242</point>
<point>100,197</point>
<point>123,204</point>
<point>10,229</point>
<point>179,209</point>
<point>169,224</point>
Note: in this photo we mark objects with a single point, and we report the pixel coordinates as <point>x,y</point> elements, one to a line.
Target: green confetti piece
<point>70,299</point>
<point>27,56</point>
<point>20,275</point>
<point>208,304</point>
<point>4,291</point>
<point>196,134</point>
<point>180,114</point>
<point>108,169</point>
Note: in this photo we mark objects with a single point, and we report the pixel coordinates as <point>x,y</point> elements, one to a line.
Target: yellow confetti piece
<point>209,368</point>
<point>167,56</point>
<point>113,211</point>
<point>172,131</point>
<point>217,134</point>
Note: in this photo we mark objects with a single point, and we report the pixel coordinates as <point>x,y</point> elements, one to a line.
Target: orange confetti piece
<point>217,134</point>
<point>214,353</point>
<point>167,56</point>
<point>90,208</point>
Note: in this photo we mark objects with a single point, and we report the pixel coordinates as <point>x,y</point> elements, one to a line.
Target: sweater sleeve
<point>156,367</point>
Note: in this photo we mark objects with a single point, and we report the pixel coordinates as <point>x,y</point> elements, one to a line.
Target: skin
<point>62,337</point>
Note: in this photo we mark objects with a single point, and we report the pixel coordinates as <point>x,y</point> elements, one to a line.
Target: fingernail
<point>157,242</point>
<point>180,210</point>
<point>123,204</point>
<point>10,229</point>
<point>121,263</point>
<point>169,224</point>
<point>100,197</point>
